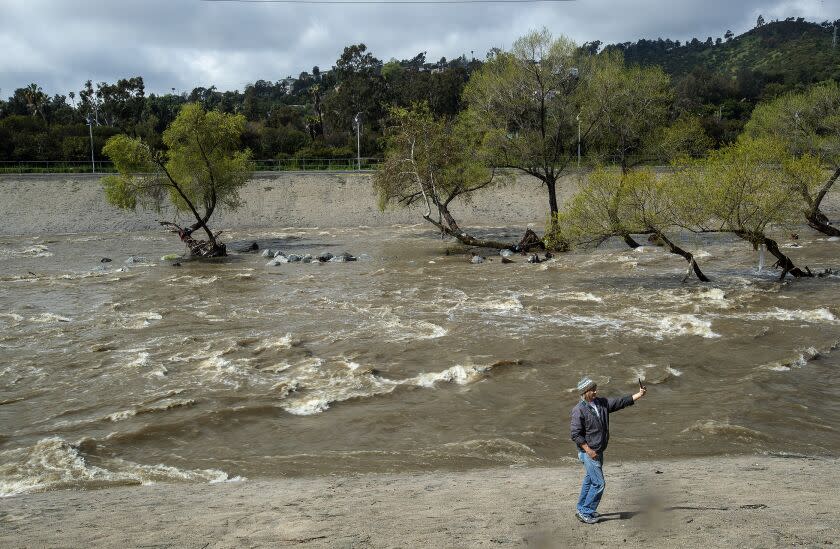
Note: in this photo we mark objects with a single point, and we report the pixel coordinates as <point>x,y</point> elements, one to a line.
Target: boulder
<point>252,247</point>
<point>293,258</point>
<point>476,259</point>
<point>268,252</point>
<point>344,256</point>
<point>279,253</point>
<point>306,258</point>
<point>505,253</point>
<point>324,257</point>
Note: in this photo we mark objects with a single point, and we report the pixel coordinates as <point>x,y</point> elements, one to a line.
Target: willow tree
<point>525,102</point>
<point>746,189</point>
<point>808,123</point>
<point>202,168</point>
<point>611,203</point>
<point>629,109</point>
<point>431,162</point>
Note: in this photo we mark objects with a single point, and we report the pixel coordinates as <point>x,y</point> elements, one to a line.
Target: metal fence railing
<point>55,166</point>
<point>316,164</point>
<point>269,165</point>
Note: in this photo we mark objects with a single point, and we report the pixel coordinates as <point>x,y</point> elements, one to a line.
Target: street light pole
<point>92,161</point>
<point>357,121</point>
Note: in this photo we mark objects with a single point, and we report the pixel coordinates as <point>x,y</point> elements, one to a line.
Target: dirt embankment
<point>55,204</point>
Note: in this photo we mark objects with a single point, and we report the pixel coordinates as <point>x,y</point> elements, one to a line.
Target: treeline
<point>312,115</point>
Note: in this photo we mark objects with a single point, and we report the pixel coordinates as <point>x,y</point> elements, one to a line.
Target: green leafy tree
<point>431,162</point>
<point>122,103</point>
<point>807,123</point>
<point>526,102</point>
<point>629,107</point>
<point>745,189</point>
<point>36,99</point>
<point>202,168</point>
<point>360,89</point>
<point>612,203</point>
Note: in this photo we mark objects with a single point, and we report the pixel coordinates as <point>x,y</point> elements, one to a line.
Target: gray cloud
<point>182,44</point>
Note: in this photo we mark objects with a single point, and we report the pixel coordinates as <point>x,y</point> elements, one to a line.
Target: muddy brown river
<point>138,371</point>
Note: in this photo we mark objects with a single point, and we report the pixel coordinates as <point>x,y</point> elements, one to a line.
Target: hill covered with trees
<point>312,115</point>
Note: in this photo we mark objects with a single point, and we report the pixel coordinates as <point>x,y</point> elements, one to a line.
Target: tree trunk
<point>465,238</point>
<point>688,256</point>
<point>551,184</point>
<point>198,248</point>
<point>448,225</point>
<point>784,262</point>
<point>630,241</point>
<point>816,219</point>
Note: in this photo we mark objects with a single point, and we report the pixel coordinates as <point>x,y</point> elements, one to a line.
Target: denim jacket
<point>594,430</point>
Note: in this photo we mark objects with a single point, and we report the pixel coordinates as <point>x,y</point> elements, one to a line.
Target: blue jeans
<point>593,483</point>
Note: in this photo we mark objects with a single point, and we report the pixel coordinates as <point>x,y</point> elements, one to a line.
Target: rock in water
<point>294,258</point>
<point>105,260</point>
<point>279,253</point>
<point>268,252</point>
<point>534,259</point>
<point>170,257</point>
<point>505,253</point>
<point>476,259</point>
<point>136,259</point>
<point>306,258</point>
<point>506,259</point>
<point>324,257</point>
<point>345,256</point>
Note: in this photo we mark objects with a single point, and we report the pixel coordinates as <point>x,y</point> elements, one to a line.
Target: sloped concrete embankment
<point>57,204</point>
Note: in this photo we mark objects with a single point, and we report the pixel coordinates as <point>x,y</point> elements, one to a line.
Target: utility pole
<point>90,127</point>
<point>357,121</point>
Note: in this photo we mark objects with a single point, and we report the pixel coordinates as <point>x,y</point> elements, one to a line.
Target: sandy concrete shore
<point>57,204</point>
<point>756,501</point>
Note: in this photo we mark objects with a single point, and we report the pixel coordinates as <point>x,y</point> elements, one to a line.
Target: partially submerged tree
<point>615,204</point>
<point>202,168</point>
<point>807,123</point>
<point>746,189</point>
<point>432,162</point>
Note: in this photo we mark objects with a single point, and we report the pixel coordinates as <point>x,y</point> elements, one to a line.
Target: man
<point>591,433</point>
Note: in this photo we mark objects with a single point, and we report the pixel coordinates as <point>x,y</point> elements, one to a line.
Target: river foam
<point>53,463</point>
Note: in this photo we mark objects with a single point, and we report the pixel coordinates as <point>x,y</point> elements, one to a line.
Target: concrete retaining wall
<point>54,204</point>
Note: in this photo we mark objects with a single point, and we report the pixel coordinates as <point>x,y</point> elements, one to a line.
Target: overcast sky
<point>181,44</point>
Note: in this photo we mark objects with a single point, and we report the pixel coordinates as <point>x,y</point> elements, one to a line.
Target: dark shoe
<point>586,519</point>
